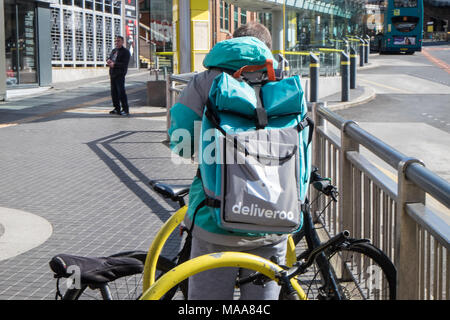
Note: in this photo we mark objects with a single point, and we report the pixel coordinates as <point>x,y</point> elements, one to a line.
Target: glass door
<point>20,26</point>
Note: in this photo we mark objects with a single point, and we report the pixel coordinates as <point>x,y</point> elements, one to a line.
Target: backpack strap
<point>252,68</point>
<point>307,122</point>
<point>261,120</point>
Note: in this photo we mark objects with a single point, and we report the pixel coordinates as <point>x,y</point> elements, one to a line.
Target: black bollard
<point>353,62</point>
<point>366,51</point>
<point>345,77</point>
<point>314,66</point>
<point>346,46</point>
<point>361,52</point>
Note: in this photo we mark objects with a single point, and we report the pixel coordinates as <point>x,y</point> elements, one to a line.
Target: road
<point>411,111</point>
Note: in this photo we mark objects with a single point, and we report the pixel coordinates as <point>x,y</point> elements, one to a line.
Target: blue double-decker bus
<point>400,27</point>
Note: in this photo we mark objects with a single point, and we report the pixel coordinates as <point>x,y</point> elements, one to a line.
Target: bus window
<point>405,24</point>
<point>405,3</point>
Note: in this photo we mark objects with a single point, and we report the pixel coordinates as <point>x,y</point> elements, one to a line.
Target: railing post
<point>346,179</point>
<point>406,250</point>
<point>314,66</point>
<point>316,148</point>
<point>345,77</point>
<point>361,52</point>
<point>353,56</point>
<point>169,102</point>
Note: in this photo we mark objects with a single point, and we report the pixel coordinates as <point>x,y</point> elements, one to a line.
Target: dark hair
<point>120,37</point>
<point>254,29</point>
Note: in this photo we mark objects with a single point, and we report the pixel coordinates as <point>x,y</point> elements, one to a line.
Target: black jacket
<point>121,61</point>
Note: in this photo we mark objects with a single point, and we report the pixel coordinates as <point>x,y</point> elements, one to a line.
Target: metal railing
<point>393,214</point>
<point>175,83</point>
<point>329,61</point>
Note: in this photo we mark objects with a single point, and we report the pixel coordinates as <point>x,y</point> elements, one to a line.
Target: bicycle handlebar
<point>335,241</point>
<point>323,185</point>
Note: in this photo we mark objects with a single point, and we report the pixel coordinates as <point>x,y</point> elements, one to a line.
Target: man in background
<point>118,67</point>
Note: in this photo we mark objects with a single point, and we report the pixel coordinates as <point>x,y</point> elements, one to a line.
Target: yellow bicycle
<point>343,268</point>
<point>348,268</point>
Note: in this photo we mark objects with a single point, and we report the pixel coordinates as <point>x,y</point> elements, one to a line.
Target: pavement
<point>75,178</point>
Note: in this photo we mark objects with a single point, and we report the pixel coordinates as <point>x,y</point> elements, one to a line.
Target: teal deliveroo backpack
<point>254,151</point>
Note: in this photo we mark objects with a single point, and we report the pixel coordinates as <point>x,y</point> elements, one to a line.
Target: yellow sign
<point>396,12</point>
<point>430,28</point>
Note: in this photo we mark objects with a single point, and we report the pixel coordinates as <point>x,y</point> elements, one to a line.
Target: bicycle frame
<point>158,244</point>
<point>164,233</point>
<point>217,260</point>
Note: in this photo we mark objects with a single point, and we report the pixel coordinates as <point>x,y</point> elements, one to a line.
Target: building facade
<point>25,50</point>
<point>49,41</point>
<point>179,33</point>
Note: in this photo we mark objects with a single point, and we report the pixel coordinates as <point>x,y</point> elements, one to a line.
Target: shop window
<point>236,17</point>
<point>88,5</point>
<point>243,16</point>
<point>226,16</point>
<point>98,5</point>
<point>108,6</point>
<point>221,14</point>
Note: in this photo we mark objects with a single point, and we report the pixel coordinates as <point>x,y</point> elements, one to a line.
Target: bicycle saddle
<point>174,192</point>
<point>94,271</point>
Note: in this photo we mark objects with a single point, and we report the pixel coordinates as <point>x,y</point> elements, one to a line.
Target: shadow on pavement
<point>130,175</point>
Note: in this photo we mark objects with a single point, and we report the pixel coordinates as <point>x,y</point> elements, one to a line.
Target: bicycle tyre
<point>86,293</point>
<point>368,273</point>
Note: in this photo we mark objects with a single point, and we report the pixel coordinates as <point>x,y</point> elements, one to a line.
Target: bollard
<point>366,51</point>
<point>361,52</point>
<point>346,46</point>
<point>353,56</point>
<point>345,77</point>
<point>314,66</point>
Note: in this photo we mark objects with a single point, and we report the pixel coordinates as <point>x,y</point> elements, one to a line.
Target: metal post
<point>346,46</point>
<point>314,66</point>
<point>2,55</point>
<point>406,246</point>
<point>346,178</point>
<point>368,48</point>
<point>353,56</point>
<point>316,147</point>
<point>366,51</point>
<point>169,102</point>
<point>345,77</point>
<point>361,52</point>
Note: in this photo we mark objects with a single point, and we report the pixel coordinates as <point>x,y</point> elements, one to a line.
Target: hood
<point>238,52</point>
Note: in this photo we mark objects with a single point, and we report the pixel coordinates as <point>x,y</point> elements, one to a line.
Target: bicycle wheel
<point>124,288</point>
<point>362,272</point>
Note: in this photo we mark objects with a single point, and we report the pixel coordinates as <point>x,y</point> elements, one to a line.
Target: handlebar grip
<point>321,185</point>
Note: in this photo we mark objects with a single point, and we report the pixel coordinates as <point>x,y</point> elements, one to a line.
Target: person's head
<point>119,42</point>
<point>254,29</point>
